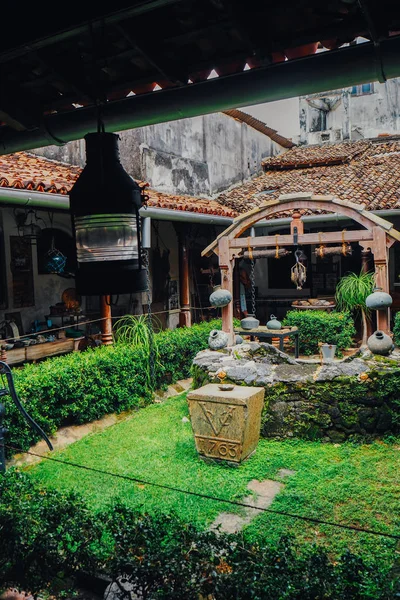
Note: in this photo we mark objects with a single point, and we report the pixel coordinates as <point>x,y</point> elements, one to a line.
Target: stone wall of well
<point>348,399</point>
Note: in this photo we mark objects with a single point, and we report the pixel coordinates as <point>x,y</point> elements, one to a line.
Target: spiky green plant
<point>135,330</point>
<point>351,293</point>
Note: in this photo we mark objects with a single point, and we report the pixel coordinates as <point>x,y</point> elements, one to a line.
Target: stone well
<point>351,398</point>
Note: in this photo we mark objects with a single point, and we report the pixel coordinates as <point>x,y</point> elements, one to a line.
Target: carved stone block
<point>226,424</point>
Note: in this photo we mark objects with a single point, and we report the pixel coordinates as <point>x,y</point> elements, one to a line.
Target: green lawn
<point>352,484</point>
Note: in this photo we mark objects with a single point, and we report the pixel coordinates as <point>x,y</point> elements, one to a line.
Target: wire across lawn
<point>345,483</point>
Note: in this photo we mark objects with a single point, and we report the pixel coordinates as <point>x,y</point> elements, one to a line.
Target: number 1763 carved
<point>218,448</point>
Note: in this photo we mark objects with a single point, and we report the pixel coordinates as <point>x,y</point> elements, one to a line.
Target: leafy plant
<point>138,330</point>
<point>83,386</point>
<point>351,293</point>
<point>396,329</point>
<point>49,537</point>
<point>134,329</point>
<point>320,326</point>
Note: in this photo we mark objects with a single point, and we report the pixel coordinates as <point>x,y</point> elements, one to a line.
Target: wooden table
<point>262,332</point>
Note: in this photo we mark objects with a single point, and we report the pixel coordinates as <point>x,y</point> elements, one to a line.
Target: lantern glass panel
<point>106,237</point>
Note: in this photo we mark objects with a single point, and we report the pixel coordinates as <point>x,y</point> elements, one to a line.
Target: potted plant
<point>351,293</point>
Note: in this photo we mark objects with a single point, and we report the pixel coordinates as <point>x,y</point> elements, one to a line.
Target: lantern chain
<point>145,257</point>
<point>253,287</point>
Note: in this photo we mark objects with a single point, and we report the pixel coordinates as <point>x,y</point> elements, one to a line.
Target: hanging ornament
<point>298,271</point>
<point>55,260</point>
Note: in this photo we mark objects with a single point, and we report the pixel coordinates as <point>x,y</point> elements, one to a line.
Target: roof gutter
<point>60,203</point>
<point>324,71</point>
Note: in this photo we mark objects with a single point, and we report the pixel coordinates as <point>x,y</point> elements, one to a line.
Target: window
<point>363,89</point>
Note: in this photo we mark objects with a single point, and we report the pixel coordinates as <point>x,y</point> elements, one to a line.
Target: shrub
<point>84,386</point>
<point>320,326</point>
<point>396,329</point>
<point>49,536</point>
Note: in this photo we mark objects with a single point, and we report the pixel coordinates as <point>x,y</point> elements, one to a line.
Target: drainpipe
<point>324,71</point>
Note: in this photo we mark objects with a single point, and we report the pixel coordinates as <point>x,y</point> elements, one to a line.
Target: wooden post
<point>366,268</point>
<point>297,223</point>
<point>185,317</point>
<point>382,276</point>
<point>226,266</point>
<point>365,258</point>
<point>106,323</point>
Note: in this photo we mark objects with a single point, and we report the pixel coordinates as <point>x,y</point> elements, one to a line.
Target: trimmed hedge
<point>84,386</point>
<point>49,537</point>
<point>396,329</point>
<point>321,326</point>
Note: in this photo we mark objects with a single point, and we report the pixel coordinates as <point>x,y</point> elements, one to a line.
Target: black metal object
<point>105,203</point>
<point>11,391</point>
<point>320,72</point>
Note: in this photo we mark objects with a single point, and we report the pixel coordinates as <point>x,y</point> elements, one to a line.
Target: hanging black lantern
<point>105,203</point>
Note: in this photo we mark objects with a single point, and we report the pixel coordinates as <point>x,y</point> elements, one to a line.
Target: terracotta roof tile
<point>23,170</point>
<point>311,156</point>
<point>368,172</point>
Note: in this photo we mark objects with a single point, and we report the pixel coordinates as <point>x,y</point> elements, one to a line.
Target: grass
<point>347,483</point>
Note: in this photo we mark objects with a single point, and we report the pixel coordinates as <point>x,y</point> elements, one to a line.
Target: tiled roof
<point>188,203</point>
<point>307,156</point>
<point>368,173</point>
<point>31,172</point>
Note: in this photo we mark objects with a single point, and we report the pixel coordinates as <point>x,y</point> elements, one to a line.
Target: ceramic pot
<point>328,352</point>
<point>250,322</point>
<point>217,339</point>
<point>378,300</point>
<point>273,323</point>
<point>220,297</point>
<point>380,343</point>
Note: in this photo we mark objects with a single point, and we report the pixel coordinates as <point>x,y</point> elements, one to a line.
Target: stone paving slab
<point>264,494</point>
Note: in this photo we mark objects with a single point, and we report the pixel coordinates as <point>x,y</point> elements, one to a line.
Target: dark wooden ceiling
<point>56,59</point>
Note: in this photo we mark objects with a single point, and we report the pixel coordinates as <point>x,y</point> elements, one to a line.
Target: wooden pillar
<point>381,275</point>
<point>226,267</point>
<point>106,323</point>
<point>365,260</point>
<point>185,317</point>
<point>366,268</point>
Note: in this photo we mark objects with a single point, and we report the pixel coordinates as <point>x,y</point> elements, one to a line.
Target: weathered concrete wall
<point>72,153</point>
<point>199,156</point>
<point>355,116</point>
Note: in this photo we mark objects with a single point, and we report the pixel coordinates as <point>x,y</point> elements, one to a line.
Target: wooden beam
<point>308,201</point>
<point>327,237</point>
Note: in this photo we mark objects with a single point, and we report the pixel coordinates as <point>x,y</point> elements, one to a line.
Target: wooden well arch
<point>377,237</point>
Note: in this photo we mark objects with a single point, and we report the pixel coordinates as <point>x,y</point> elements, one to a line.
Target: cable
<point>80,323</point>
<point>208,497</point>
